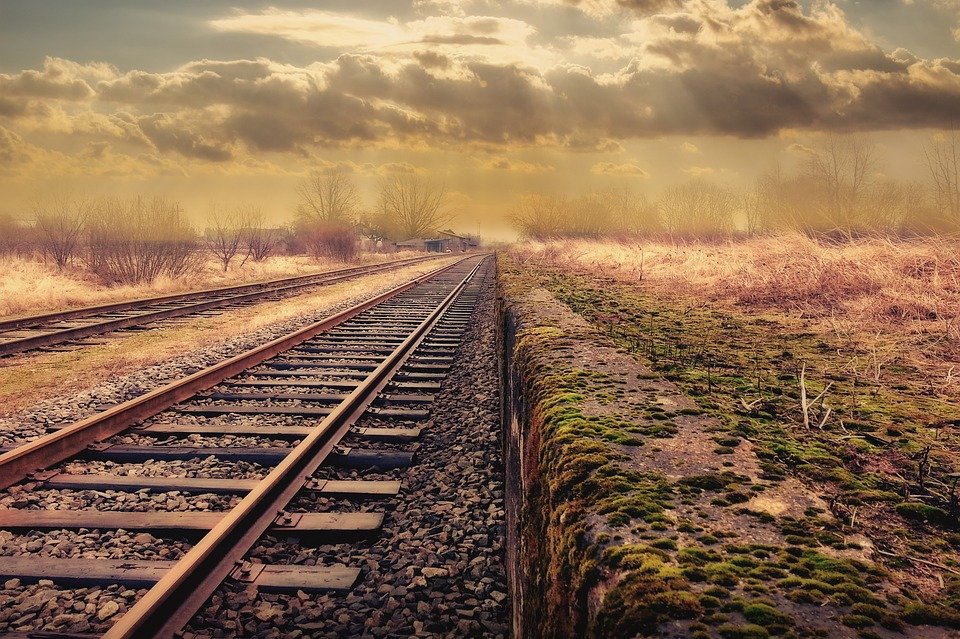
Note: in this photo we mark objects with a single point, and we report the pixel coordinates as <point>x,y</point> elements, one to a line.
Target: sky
<point>222,103</point>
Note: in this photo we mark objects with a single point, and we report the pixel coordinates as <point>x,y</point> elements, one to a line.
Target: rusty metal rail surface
<point>51,449</point>
<point>378,360</point>
<point>154,309</point>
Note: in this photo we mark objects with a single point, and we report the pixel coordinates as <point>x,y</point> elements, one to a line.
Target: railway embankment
<point>635,509</point>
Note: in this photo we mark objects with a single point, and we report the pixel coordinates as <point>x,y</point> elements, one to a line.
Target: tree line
<point>330,215</point>
<point>838,191</point>
<point>140,239</point>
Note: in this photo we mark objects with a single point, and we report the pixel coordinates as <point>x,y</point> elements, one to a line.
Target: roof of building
<point>452,234</point>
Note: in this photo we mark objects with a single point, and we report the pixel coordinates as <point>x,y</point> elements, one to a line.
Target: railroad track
<point>271,423</point>
<point>63,329</point>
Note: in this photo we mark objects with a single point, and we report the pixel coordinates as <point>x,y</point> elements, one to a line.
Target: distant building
<point>444,242</point>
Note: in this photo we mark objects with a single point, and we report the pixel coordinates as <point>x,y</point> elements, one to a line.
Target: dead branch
<point>919,561</point>
<point>805,405</point>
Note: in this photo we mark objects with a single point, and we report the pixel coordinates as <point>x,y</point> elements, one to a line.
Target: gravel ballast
<point>436,568</point>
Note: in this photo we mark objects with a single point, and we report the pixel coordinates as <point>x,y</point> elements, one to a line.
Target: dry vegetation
<point>839,191</point>
<point>29,286</point>
<point>72,250</point>
<point>897,299</point>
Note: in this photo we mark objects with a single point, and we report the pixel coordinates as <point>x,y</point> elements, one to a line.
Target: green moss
<point>925,513</point>
<point>745,631</point>
<point>640,603</point>
<point>927,614</point>
<point>856,621</point>
<point>714,357</point>
<point>868,610</point>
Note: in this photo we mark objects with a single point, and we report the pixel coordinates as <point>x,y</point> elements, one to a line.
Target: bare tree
<point>842,171</point>
<point>893,205</point>
<point>139,240</point>
<point>12,235</point>
<point>632,213</point>
<point>540,217</point>
<point>590,215</point>
<point>767,207</point>
<point>414,206</point>
<point>698,207</point>
<point>378,226</point>
<point>60,221</point>
<point>943,162</point>
<point>328,196</point>
<point>224,235</point>
<point>260,240</point>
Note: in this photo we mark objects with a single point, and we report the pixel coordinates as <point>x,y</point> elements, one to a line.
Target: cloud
<point>14,152</point>
<point>517,166</point>
<point>489,37</point>
<point>801,149</point>
<point>698,67</point>
<point>650,6</point>
<point>610,168</point>
<point>59,79</point>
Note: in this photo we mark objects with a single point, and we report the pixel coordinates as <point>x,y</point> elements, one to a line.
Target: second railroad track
<point>63,329</point>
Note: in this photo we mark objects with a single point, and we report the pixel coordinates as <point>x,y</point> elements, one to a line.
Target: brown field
<point>29,286</point>
<point>897,300</point>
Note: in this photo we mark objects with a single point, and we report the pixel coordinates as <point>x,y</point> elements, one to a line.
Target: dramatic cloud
<point>692,68</point>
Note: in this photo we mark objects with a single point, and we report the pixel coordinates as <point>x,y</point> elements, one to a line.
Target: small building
<point>451,241</point>
<point>414,244</point>
<point>444,242</point>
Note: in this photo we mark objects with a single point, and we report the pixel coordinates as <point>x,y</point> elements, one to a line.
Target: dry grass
<point>892,299</point>
<point>29,379</point>
<point>29,286</point>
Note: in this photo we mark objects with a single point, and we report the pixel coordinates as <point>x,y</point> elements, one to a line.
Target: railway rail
<point>64,327</point>
<point>367,374</point>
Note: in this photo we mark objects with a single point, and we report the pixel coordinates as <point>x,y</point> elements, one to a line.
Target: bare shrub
<point>540,217</point>
<point>632,213</point>
<point>260,241</point>
<point>60,223</point>
<point>843,171</point>
<point>225,234</point>
<point>698,208</point>
<point>15,237</point>
<point>139,240</point>
<point>329,239</point>
<point>592,215</point>
<point>942,157</point>
<point>411,206</point>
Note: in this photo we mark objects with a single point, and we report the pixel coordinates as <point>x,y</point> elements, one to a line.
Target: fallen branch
<point>803,397</point>
<point>873,439</point>
<point>920,561</point>
<point>805,405</point>
<point>823,422</point>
